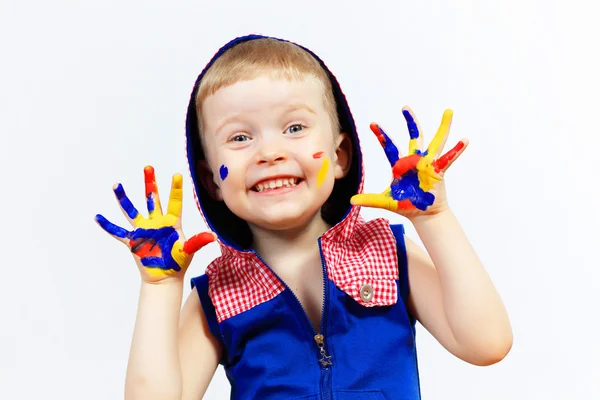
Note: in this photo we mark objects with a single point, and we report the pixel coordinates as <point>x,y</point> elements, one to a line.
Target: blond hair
<point>248,60</point>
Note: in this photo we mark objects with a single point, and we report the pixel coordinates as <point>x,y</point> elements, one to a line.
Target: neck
<point>294,243</point>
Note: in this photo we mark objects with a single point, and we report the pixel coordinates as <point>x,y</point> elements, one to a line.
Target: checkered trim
<point>367,257</point>
<point>238,281</point>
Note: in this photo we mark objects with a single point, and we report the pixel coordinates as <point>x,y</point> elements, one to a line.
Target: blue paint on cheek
<point>408,188</point>
<point>125,202</point>
<point>223,171</point>
<point>413,130</point>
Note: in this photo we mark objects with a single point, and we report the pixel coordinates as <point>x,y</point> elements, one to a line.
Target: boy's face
<point>271,150</point>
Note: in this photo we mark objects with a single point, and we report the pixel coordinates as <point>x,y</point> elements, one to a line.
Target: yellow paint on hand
<point>413,146</point>
<point>440,135</point>
<point>382,200</point>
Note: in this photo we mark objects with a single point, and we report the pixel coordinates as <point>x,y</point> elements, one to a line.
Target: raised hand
<point>157,242</point>
<point>417,186</point>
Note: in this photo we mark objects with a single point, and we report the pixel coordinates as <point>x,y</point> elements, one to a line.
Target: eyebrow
<point>300,106</point>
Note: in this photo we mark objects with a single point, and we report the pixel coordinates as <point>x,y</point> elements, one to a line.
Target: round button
<point>366,293</point>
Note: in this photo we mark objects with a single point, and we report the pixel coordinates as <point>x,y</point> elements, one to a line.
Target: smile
<point>275,184</point>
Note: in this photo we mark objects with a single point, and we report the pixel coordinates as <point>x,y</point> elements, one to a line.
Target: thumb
<point>375,200</point>
<point>198,241</point>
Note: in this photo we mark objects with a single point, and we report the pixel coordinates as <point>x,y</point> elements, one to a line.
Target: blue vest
<point>364,353</point>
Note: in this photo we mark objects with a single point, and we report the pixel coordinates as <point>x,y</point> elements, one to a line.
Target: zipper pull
<point>325,359</point>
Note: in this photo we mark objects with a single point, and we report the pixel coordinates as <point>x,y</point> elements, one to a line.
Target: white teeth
<point>276,183</point>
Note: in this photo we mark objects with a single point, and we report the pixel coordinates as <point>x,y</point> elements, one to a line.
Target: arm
<point>199,351</point>
<point>163,254</point>
<point>181,362</point>
<point>153,371</point>
<point>452,296</point>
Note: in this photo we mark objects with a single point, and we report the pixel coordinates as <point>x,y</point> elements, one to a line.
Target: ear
<point>343,154</point>
<point>207,180</point>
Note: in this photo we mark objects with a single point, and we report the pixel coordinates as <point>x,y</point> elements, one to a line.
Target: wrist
<point>423,220</point>
<point>167,281</point>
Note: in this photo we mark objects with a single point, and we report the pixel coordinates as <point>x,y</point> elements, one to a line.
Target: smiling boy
<point>307,300</point>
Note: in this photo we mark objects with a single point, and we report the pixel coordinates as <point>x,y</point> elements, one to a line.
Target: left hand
<point>418,185</point>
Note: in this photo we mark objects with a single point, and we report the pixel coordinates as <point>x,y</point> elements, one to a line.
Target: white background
<point>90,92</point>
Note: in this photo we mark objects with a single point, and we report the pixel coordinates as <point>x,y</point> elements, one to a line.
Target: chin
<point>280,220</point>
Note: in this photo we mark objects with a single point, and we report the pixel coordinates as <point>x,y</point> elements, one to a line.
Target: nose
<point>272,152</point>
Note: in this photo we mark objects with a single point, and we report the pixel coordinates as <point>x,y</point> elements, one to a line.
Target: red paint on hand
<point>405,205</point>
<point>197,242</point>
<point>150,180</point>
<point>444,160</point>
<point>145,248</point>
<point>318,154</point>
<point>377,131</point>
<point>405,164</point>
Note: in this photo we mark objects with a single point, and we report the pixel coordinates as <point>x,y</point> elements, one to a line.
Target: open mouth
<point>275,184</point>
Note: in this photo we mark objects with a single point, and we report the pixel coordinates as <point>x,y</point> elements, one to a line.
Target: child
<point>307,300</point>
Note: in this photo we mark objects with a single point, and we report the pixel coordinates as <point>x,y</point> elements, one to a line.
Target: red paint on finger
<point>150,180</point>
<point>377,131</point>
<point>318,155</point>
<point>197,242</point>
<point>444,160</point>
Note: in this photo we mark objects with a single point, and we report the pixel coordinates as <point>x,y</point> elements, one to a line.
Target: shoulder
<point>235,284</point>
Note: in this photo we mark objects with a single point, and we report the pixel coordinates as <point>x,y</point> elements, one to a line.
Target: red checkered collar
<point>341,232</point>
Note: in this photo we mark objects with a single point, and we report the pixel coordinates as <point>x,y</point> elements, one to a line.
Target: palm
<point>417,186</point>
<point>159,247</point>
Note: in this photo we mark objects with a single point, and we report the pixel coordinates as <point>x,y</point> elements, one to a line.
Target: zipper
<point>324,359</point>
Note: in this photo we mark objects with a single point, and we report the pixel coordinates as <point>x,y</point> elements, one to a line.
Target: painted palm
<point>417,184</point>
<point>157,241</point>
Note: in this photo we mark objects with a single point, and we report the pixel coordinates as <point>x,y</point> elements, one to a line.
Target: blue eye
<point>294,129</point>
<point>239,138</point>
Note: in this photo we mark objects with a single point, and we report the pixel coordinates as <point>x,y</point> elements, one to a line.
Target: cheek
<point>223,172</point>
<point>324,170</point>
<point>321,166</point>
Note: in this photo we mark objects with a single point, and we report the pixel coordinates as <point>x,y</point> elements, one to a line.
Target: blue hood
<point>233,231</point>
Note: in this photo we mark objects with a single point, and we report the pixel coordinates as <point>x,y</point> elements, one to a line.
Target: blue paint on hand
<point>112,228</point>
<point>126,204</point>
<point>407,188</point>
<point>390,149</point>
<point>150,202</point>
<point>413,130</point>
<point>223,171</point>
<point>163,238</point>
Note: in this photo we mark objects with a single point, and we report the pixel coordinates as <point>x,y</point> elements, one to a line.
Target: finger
<point>390,149</point>
<point>152,197</point>
<point>198,241</point>
<point>439,140</point>
<point>115,231</point>
<point>176,197</point>
<point>127,207</point>
<point>445,161</point>
<point>375,201</point>
<point>414,130</point>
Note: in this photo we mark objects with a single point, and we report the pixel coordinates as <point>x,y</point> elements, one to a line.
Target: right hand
<point>157,242</point>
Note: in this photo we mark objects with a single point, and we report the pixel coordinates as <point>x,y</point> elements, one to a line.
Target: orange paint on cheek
<point>318,155</point>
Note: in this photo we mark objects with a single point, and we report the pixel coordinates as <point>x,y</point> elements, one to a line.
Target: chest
<point>306,283</point>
